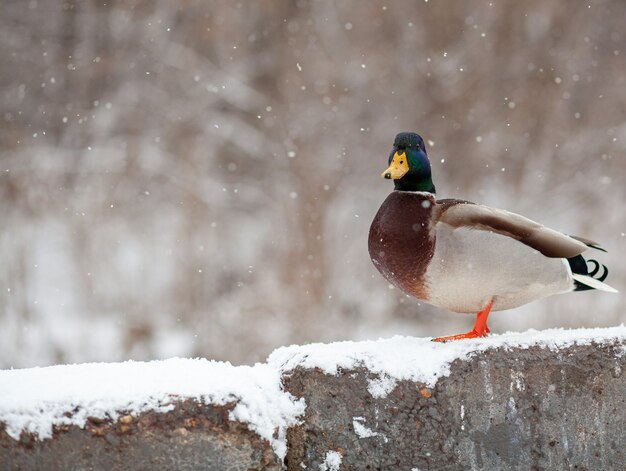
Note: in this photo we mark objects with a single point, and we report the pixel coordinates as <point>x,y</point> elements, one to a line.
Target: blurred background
<point>197,178</point>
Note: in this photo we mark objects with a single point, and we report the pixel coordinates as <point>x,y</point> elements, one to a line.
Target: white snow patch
<point>36,399</point>
<point>419,359</point>
<point>332,461</point>
<point>462,417</point>
<point>361,430</point>
<point>380,387</point>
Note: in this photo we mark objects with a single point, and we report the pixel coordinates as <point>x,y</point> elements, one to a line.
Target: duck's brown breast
<point>400,241</point>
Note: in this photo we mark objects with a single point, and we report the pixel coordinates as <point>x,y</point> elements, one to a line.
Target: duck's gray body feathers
<point>460,256</point>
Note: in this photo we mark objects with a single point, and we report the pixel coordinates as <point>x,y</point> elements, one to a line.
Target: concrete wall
<point>521,408</point>
<point>193,436</point>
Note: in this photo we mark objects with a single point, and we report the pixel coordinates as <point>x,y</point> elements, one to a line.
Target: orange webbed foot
<point>480,328</point>
<point>469,335</point>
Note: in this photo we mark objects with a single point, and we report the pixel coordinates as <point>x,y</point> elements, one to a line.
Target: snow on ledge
<point>420,359</point>
<point>36,399</point>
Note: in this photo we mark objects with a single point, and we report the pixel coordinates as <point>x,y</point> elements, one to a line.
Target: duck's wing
<point>549,242</point>
<point>588,243</point>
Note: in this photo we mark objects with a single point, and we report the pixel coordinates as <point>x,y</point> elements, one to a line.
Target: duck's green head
<point>409,167</point>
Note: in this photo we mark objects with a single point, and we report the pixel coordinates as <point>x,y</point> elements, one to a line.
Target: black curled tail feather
<point>596,269</point>
<point>579,266</point>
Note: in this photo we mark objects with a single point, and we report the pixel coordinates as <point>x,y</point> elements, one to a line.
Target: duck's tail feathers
<point>585,279</point>
<point>584,282</point>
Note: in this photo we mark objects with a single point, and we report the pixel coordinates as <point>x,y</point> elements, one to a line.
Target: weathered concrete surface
<point>193,436</point>
<point>527,409</point>
<point>521,408</point>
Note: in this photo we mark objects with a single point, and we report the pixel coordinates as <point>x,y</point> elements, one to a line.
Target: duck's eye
<point>401,162</point>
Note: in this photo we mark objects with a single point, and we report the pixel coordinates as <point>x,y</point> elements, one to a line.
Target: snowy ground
<point>36,399</point>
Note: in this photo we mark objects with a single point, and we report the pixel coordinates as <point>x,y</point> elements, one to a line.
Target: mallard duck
<point>467,257</point>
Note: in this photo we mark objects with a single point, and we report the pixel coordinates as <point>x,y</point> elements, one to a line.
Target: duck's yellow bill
<point>398,168</point>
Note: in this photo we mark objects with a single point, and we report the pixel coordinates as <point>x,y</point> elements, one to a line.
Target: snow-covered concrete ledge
<point>547,400</point>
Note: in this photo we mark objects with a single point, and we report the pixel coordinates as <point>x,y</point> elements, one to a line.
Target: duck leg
<point>480,327</point>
